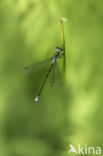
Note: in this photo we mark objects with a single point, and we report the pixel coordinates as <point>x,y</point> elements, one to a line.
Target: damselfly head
<point>58,49</point>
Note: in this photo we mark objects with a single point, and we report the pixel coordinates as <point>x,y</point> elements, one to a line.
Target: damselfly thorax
<point>58,54</point>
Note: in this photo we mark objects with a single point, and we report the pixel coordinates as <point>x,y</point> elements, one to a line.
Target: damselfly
<point>60,53</point>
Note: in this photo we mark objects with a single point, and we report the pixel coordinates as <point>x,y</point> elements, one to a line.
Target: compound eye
<point>59,49</point>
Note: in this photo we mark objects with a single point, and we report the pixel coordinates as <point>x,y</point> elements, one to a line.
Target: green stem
<point>63,45</point>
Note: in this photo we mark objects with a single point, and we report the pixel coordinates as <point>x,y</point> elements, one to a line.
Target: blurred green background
<point>72,114</point>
